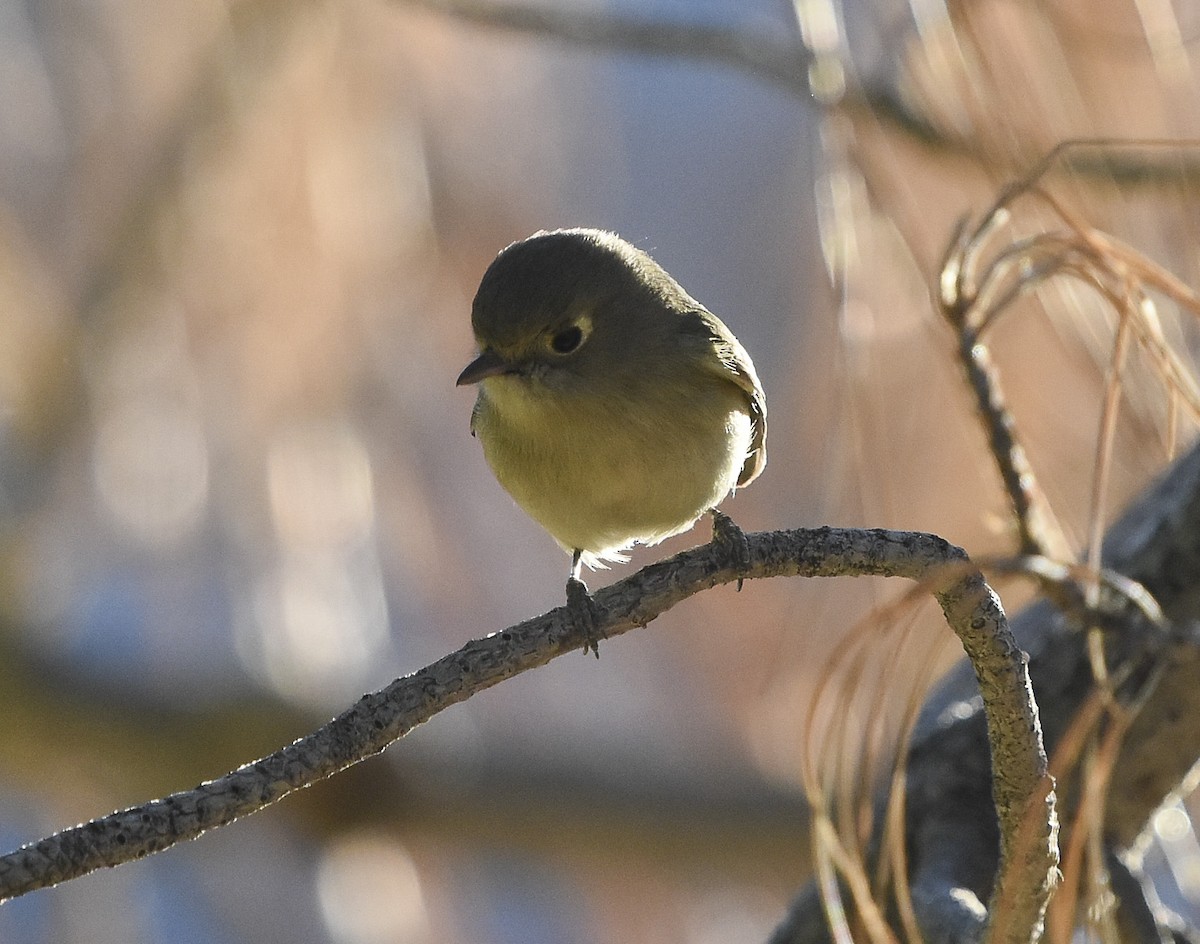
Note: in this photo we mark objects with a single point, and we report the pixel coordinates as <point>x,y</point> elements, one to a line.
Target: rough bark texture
<point>951,826</point>
<point>380,718</point>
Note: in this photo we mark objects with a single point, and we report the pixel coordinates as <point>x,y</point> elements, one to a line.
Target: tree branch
<point>950,832</point>
<point>778,57</point>
<point>782,58</point>
<point>378,719</point>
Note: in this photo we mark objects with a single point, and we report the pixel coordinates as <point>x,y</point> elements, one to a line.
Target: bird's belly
<point>599,484</point>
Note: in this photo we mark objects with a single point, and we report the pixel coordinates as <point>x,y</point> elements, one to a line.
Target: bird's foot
<point>585,613</point>
<point>726,533</point>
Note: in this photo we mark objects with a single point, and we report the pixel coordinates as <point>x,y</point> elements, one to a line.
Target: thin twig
<point>971,608</point>
<point>780,57</point>
<point>959,299</point>
<point>776,55</point>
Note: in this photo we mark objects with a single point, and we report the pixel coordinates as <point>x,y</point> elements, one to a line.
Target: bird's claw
<point>726,533</point>
<point>585,613</point>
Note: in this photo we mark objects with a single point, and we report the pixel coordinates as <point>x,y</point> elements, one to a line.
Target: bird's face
<point>548,351</point>
<point>565,314</point>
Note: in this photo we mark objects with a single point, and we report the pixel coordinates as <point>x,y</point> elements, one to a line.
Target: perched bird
<point>612,406</point>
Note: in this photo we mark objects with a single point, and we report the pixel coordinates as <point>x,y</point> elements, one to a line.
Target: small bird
<point>612,406</point>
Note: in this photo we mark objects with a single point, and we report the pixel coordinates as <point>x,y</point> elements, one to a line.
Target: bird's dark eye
<point>566,340</point>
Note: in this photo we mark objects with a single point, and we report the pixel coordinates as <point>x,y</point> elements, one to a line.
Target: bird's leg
<point>729,535</point>
<point>582,607</point>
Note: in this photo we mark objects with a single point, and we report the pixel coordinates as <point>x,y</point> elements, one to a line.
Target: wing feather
<point>730,361</point>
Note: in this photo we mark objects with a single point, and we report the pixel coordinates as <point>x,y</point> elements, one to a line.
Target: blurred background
<point>238,245</point>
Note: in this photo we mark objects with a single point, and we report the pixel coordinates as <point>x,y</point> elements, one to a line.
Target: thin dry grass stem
<point>1098,660</point>
<point>848,867</point>
<point>1102,717</point>
<point>1101,261</point>
<point>980,281</point>
<point>962,279</point>
<point>1061,914</point>
<point>1172,432</point>
<point>817,775</point>
<point>1123,275</point>
<point>831,773</point>
<point>1003,903</point>
<point>891,872</point>
<point>841,821</point>
<point>1089,746</point>
<point>847,783</point>
<point>1115,269</point>
<point>890,738</point>
<point>895,858</point>
<point>839,771</point>
<point>1038,532</point>
<point>1084,854</point>
<point>831,857</point>
<point>1101,913</point>
<point>839,680</point>
<point>863,750</point>
<point>848,658</point>
<point>896,849</point>
<point>829,769</point>
<point>1070,575</point>
<point>1120,254</point>
<point>889,730</point>
<point>827,881</point>
<point>1104,442</point>
<point>1100,477</point>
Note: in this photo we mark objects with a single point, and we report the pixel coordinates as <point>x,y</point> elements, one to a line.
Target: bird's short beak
<point>487,364</point>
